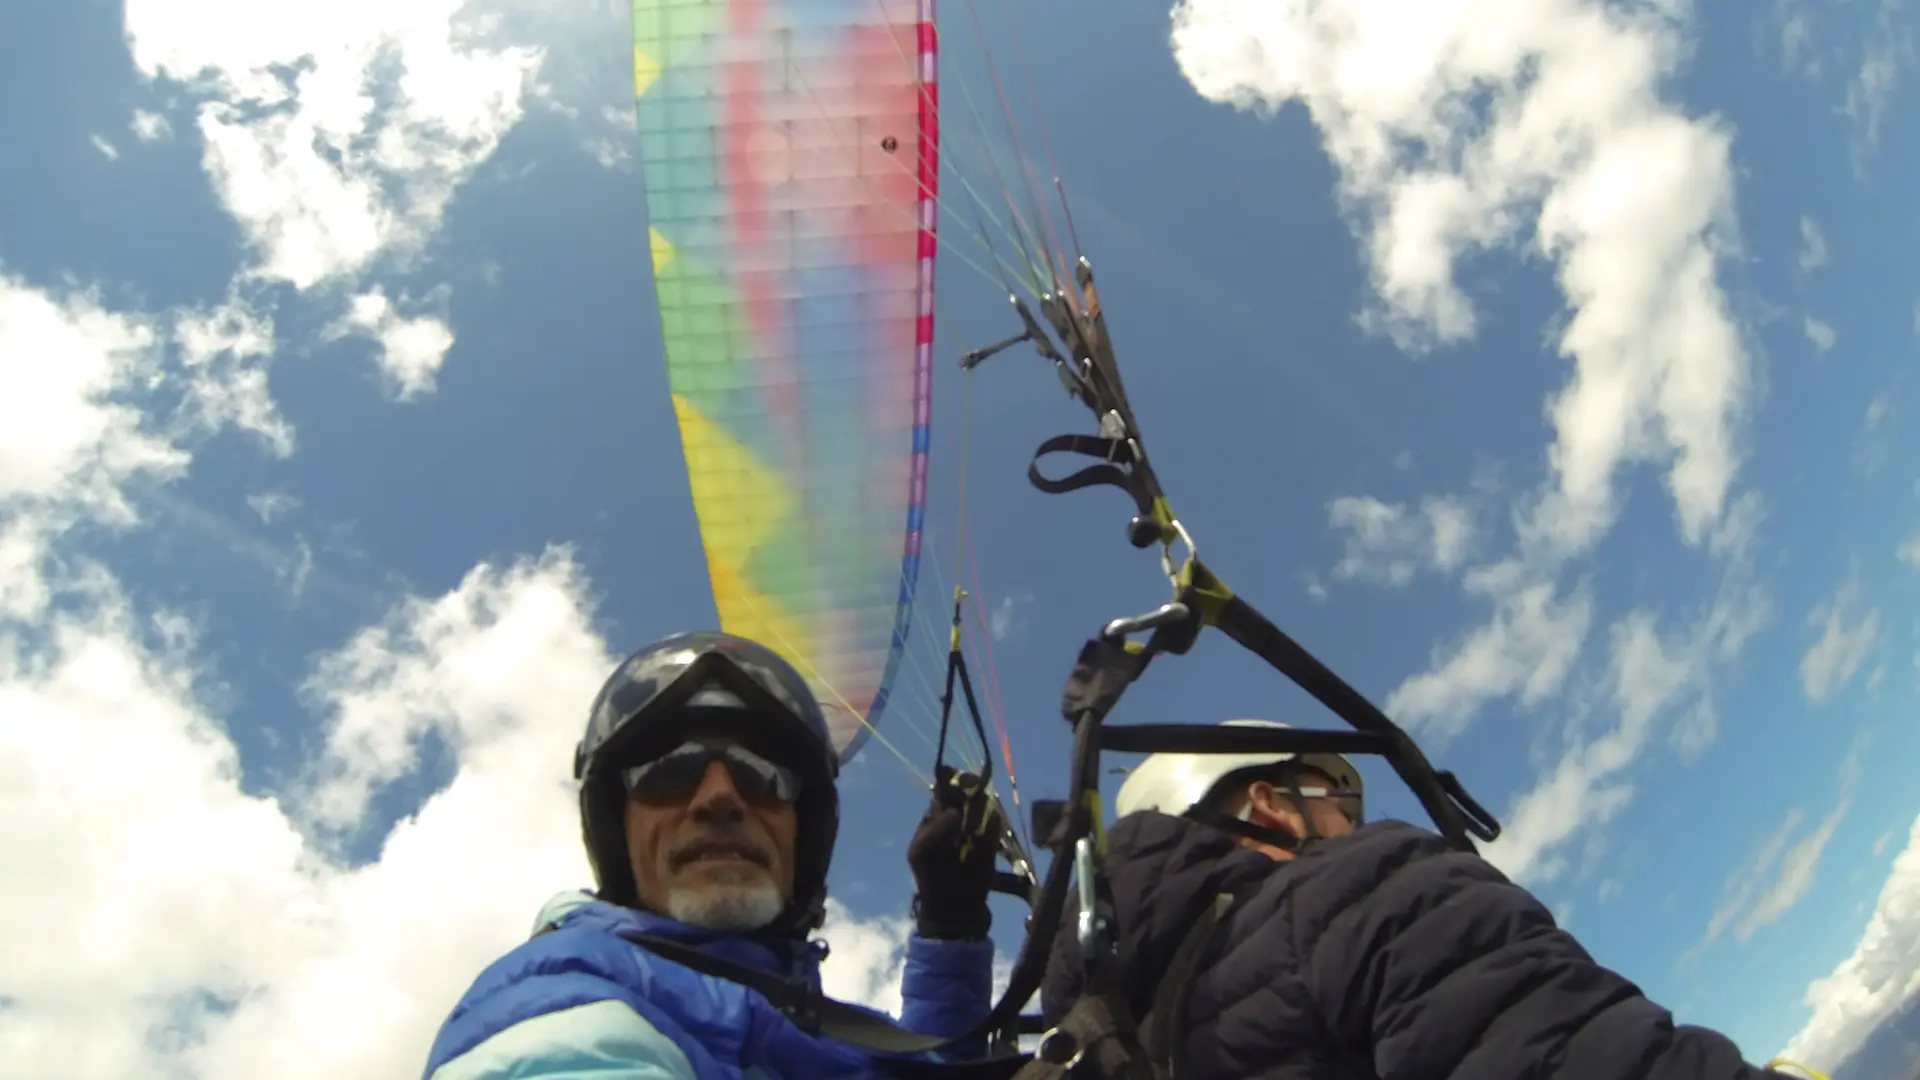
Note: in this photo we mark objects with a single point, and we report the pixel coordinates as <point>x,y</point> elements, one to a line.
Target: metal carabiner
<point>1090,923</point>
<point>1120,629</point>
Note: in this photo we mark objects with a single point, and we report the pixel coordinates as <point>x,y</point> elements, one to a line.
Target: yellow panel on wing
<point>644,71</point>
<point>740,503</point>
<point>746,611</point>
<point>661,248</point>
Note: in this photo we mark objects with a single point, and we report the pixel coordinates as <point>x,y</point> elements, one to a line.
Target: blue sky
<point>1549,376</point>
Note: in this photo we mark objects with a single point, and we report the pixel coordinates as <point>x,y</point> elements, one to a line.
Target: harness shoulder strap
<point>812,1012</point>
<point>1098,1040</point>
<point>1164,1029</point>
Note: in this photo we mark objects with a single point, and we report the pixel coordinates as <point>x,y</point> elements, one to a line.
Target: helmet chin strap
<point>1241,823</point>
<point>1230,824</point>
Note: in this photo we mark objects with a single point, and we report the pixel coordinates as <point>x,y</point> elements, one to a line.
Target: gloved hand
<point>952,856</point>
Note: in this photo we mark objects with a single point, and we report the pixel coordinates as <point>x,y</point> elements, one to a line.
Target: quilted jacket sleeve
<point>600,1040</point>
<point>548,1010</point>
<point>1445,968</point>
<point>947,988</point>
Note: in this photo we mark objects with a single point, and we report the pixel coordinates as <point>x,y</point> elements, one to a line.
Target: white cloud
<point>1820,333</point>
<point>1793,21</point>
<point>1006,619</point>
<point>149,126</point>
<point>167,919</point>
<point>1527,648</point>
<point>426,671</point>
<point>131,815</point>
<point>867,958</point>
<point>98,401</point>
<point>1651,677</point>
<point>1813,246</point>
<point>1580,792</point>
<point>92,726</point>
<point>1909,551</point>
<point>1792,878</point>
<point>269,505</point>
<point>1780,874</point>
<point>613,144</point>
<point>71,429</point>
<point>1831,661</point>
<point>1886,50</point>
<point>1872,61</point>
<point>1695,730</point>
<point>292,566</point>
<point>1873,445</point>
<point>299,571</point>
<point>336,137</point>
<point>107,149</point>
<point>225,350</point>
<point>1466,126</point>
<point>1882,973</point>
<point>1540,127</point>
<point>335,134</point>
<point>412,348</point>
<point>1389,543</point>
<point>143,865</point>
<point>1734,540</point>
<point>86,392</point>
<point>125,817</point>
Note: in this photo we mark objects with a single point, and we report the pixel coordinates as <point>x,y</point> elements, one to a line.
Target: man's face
<point>1276,807</point>
<point>708,849</point>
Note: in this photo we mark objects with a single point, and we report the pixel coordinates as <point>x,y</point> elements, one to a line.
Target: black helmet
<point>661,694</point>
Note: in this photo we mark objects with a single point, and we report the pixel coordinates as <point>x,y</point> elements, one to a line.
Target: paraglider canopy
<point>790,163</point>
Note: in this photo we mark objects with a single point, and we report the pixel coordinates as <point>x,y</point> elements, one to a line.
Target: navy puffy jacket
<point>1383,954</point>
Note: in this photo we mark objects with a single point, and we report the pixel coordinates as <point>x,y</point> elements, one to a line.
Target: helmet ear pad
<point>603,810</point>
<point>798,740</point>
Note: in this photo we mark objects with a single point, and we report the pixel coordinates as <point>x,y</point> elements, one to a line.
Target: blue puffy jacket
<point>578,1001</point>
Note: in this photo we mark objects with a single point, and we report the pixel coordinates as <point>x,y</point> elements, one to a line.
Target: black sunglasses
<point>677,774</point>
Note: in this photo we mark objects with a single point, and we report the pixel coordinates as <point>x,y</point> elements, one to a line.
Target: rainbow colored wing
<point>789,152</point>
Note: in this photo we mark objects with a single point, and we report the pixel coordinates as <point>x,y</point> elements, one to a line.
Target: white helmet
<point>1176,783</point>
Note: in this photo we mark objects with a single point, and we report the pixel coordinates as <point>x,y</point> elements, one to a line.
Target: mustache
<point>704,846</point>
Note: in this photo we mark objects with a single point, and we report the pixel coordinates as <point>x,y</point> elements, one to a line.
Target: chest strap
<point>809,1010</point>
<point>1163,1031</point>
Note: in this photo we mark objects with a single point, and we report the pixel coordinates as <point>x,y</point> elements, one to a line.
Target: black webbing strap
<point>809,1010</point>
<point>978,799</point>
<point>1457,815</point>
<point>820,1015</point>
<point>1164,1029</point>
<point>1103,671</point>
<point>957,670</point>
<point>1117,468</point>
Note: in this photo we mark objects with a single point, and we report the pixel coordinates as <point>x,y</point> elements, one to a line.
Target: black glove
<point>952,856</point>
